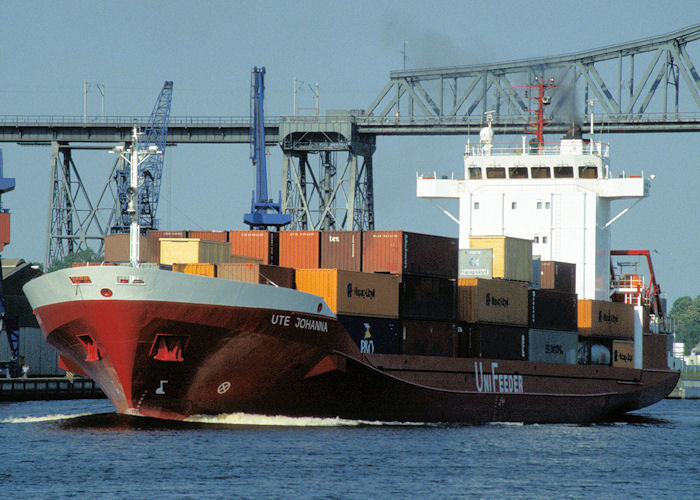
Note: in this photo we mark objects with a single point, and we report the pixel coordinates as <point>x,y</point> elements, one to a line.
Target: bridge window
<point>539,205</point>
<point>514,205</point>
<point>495,172</point>
<point>540,172</point>
<point>476,205</point>
<point>588,172</point>
<point>474,173</point>
<point>517,172</point>
<point>563,172</point>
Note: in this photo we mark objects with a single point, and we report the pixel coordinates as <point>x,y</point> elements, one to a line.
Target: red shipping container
<point>209,235</point>
<point>413,253</point>
<point>341,250</point>
<point>300,249</point>
<point>259,244</point>
<point>154,242</point>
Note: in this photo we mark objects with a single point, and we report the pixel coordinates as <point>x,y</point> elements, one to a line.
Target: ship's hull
<point>171,345</point>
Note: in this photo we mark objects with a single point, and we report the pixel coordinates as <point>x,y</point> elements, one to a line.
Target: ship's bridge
<point>558,196</point>
<point>567,159</point>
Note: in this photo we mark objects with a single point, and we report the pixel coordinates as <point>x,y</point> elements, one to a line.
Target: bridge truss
<point>642,86</point>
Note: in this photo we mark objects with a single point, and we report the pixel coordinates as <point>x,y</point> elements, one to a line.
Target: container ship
<point>522,318</point>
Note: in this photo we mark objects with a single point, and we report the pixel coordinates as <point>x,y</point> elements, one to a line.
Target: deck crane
<point>150,171</point>
<point>264,212</point>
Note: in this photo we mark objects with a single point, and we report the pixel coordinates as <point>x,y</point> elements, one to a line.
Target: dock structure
<point>48,388</point>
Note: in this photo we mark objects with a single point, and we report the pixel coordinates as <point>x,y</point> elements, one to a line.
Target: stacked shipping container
<point>397,292</point>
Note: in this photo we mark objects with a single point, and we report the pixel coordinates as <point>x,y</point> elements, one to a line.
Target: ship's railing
<point>548,149</point>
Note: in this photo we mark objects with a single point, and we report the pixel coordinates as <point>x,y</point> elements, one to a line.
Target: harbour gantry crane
<point>8,324</point>
<point>150,171</point>
<point>264,212</point>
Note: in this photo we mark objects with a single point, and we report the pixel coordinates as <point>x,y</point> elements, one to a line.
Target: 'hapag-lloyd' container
<point>598,318</point>
<point>403,252</point>
<point>623,353</point>
<point>349,292</point>
<point>499,302</point>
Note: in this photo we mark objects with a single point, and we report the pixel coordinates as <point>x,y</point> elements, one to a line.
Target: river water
<point>69,449</point>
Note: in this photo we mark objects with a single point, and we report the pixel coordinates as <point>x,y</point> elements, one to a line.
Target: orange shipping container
<point>300,249</point>
<point>209,235</point>
<point>498,302</point>
<point>4,229</point>
<point>256,273</point>
<point>403,252</point>
<point>349,292</point>
<point>598,318</point>
<point>262,245</point>
<point>199,268</point>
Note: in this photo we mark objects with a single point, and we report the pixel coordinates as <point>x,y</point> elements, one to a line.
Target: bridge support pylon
<point>324,194</point>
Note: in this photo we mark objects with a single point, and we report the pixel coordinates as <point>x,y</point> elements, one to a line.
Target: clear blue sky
<point>47,50</point>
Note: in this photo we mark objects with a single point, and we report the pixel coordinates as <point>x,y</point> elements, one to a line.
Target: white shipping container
<point>553,346</point>
<point>475,263</point>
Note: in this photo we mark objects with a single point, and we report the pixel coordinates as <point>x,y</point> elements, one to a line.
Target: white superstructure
<point>559,196</point>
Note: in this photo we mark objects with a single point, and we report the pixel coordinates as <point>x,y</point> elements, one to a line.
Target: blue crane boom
<point>264,212</point>
<point>150,171</point>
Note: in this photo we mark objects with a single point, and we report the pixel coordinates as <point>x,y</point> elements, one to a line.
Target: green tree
<point>686,312</point>
<point>87,255</point>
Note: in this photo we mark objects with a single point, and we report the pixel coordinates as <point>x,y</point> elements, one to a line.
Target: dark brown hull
<point>279,362</point>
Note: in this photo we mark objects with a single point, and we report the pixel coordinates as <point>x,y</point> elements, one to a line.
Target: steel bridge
<point>649,85</point>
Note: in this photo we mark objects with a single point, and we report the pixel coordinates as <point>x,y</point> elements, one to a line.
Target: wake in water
<point>44,418</point>
<point>245,419</point>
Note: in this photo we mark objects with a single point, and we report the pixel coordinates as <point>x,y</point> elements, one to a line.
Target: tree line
<point>686,312</point>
